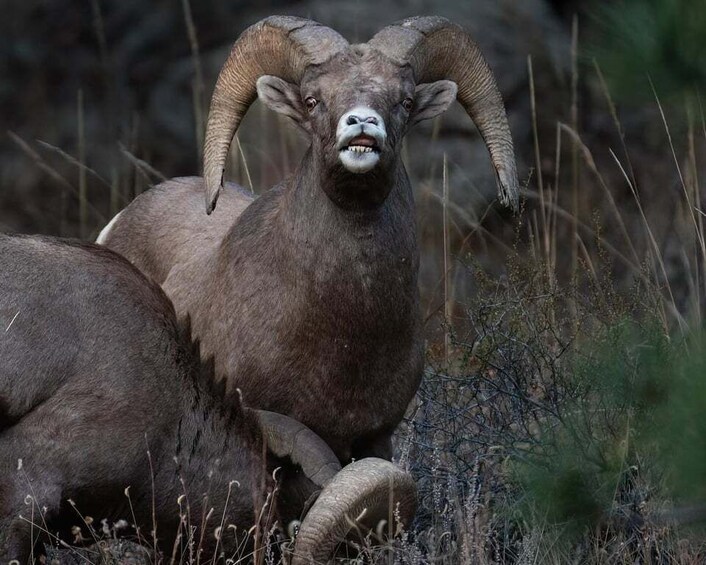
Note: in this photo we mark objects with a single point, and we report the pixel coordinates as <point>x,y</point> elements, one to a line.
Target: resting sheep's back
<point>83,332</point>
<point>94,372</point>
<point>92,302</point>
<point>174,227</point>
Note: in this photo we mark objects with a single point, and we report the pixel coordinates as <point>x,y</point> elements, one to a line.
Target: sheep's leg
<point>21,519</point>
<point>15,532</point>
<point>27,494</point>
<point>14,542</point>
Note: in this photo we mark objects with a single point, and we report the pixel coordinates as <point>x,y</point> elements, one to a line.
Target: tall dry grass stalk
<point>82,186</point>
<point>198,84</point>
<point>448,305</point>
<point>575,176</point>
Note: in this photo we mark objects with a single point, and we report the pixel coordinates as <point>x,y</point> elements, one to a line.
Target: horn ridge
<point>371,488</point>
<point>438,49</point>
<point>283,46</point>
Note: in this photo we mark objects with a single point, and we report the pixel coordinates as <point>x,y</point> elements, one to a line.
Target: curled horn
<point>283,46</point>
<point>437,49</point>
<point>286,437</point>
<point>366,491</point>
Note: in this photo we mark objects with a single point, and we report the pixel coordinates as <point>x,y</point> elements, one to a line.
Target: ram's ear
<point>432,99</point>
<point>282,97</point>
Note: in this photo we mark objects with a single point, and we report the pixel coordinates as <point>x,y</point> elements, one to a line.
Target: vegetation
<point>560,417</point>
<point>660,39</point>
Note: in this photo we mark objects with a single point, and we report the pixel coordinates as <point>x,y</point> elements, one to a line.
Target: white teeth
<point>360,149</point>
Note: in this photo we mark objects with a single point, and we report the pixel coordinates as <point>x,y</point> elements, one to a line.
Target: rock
<point>136,73</point>
<point>105,552</point>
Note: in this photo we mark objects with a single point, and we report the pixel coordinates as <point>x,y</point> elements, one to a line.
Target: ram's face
<point>357,107</point>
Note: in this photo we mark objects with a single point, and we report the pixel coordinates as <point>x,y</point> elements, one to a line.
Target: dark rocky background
<point>101,97</point>
<point>133,65</point>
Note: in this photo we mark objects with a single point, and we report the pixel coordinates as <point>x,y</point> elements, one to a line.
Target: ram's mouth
<point>360,152</point>
<point>362,144</point>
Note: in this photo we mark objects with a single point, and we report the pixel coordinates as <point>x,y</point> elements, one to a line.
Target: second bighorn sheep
<point>307,297</point>
<point>94,371</point>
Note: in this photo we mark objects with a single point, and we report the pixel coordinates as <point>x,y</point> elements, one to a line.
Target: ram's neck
<point>355,237</point>
<point>217,443</point>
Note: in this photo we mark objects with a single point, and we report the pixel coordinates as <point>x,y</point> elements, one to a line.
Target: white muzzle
<point>360,137</point>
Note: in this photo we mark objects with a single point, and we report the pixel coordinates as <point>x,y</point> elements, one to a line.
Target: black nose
<point>353,119</point>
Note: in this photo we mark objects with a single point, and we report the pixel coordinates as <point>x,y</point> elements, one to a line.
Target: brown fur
<point>306,297</point>
<point>94,372</point>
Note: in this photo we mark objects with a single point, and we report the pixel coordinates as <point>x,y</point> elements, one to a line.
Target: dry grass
<point>507,372</point>
<point>509,344</point>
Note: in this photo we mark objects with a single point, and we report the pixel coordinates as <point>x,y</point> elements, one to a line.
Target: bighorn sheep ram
<point>307,296</point>
<point>94,371</point>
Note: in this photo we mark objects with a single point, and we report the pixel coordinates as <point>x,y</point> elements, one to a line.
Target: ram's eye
<point>407,104</point>
<point>311,103</point>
